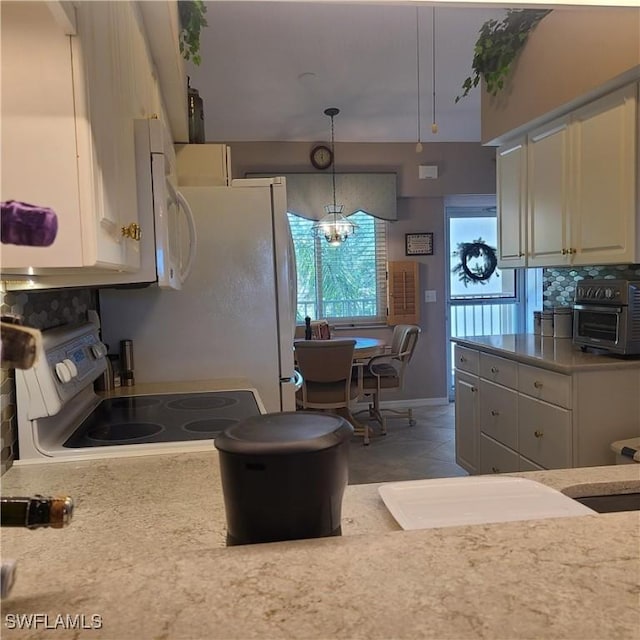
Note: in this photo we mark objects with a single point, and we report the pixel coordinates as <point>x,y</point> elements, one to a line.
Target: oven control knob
<point>99,350</point>
<point>63,372</point>
<point>608,293</point>
<point>71,365</point>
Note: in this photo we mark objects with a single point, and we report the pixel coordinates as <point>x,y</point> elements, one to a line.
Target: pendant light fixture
<point>434,126</point>
<point>333,226</point>
<point>419,143</point>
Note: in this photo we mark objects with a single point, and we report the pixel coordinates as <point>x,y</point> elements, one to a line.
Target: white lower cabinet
<point>544,433</point>
<point>499,413</point>
<point>495,457</point>
<point>541,419</point>
<point>527,465</point>
<point>466,400</point>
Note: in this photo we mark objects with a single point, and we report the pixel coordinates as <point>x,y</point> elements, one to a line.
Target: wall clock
<point>321,157</point>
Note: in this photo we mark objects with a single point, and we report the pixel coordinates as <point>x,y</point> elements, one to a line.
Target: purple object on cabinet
<point>27,224</point>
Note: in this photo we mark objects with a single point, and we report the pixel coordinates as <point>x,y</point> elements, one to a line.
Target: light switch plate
<point>429,295</point>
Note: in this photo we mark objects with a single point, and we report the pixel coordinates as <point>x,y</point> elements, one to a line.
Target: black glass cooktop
<point>162,418</point>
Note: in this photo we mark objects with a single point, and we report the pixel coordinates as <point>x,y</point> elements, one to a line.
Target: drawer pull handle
<point>463,359</point>
<point>494,412</point>
<point>537,384</point>
<point>538,434</point>
<point>474,389</point>
<point>494,369</point>
<point>495,470</point>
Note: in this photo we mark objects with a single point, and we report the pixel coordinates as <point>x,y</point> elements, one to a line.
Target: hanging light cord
<point>418,68</point>
<point>333,166</point>
<point>434,126</point>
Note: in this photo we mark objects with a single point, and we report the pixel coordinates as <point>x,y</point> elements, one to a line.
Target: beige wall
<point>464,168</point>
<point>570,54</point>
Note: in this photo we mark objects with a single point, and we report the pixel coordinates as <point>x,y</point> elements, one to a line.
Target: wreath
<point>478,262</point>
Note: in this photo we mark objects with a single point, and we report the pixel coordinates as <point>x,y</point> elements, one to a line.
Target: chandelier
<point>333,226</point>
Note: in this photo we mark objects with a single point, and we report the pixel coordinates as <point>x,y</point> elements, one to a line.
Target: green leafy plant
<point>191,13</point>
<point>497,47</point>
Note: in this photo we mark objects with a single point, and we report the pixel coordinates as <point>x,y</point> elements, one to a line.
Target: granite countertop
<point>145,552</point>
<point>556,354</point>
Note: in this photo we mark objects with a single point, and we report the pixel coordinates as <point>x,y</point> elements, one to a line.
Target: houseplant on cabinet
<point>192,19</point>
<point>498,46</point>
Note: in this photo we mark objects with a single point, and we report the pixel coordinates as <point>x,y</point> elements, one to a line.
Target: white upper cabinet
<point>512,202</point>
<point>572,184</point>
<point>604,141</point>
<point>548,204</point>
<point>68,106</point>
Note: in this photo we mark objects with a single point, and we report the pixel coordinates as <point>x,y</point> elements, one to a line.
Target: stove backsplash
<point>41,310</point>
<point>559,283</point>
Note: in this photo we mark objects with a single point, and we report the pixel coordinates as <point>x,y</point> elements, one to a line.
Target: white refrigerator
<point>235,314</point>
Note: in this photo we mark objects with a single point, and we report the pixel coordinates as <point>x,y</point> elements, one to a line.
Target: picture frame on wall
<point>418,244</point>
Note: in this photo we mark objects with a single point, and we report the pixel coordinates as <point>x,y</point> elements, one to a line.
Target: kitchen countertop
<point>556,354</point>
<point>145,551</point>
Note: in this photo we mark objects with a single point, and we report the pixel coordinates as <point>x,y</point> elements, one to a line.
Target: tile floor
<point>426,450</point>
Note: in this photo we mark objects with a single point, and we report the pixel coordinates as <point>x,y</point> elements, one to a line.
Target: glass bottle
<point>36,511</point>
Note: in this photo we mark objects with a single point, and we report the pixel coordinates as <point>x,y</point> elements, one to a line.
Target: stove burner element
<point>212,426</point>
<point>135,402</point>
<point>198,403</point>
<point>124,431</point>
<point>162,418</point>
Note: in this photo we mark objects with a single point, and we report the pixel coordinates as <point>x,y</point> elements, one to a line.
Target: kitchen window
<point>344,284</point>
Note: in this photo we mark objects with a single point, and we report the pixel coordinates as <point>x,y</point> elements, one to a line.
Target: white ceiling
<point>269,69</point>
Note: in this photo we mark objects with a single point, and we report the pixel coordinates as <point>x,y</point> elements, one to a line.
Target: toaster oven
<point>607,315</point>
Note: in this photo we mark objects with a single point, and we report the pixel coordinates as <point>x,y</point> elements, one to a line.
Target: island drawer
<point>545,385</point>
<point>466,359</point>
<point>500,370</point>
<point>499,413</point>
<point>544,433</point>
<point>527,465</point>
<point>495,457</point>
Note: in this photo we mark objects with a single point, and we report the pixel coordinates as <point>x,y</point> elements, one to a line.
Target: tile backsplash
<point>559,283</point>
<point>42,310</point>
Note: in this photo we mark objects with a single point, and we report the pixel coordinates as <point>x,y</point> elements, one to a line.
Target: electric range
<point>61,417</point>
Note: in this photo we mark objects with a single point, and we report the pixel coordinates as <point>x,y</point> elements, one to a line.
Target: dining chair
<point>386,372</point>
<point>326,366</point>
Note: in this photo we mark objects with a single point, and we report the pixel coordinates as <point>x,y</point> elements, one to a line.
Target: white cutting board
<point>447,502</point>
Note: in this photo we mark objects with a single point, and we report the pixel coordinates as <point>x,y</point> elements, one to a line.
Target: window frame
<point>380,237</point>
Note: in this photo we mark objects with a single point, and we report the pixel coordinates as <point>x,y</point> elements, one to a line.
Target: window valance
<point>373,193</point>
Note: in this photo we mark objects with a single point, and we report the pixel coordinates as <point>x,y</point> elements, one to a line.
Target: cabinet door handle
<point>537,384</point>
<point>538,434</point>
<point>494,412</point>
<point>495,470</point>
<point>494,369</point>
<point>564,252</point>
<point>133,231</point>
<point>473,389</point>
<point>462,359</point>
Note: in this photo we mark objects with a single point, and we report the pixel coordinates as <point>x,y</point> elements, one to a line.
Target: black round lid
<point>285,433</point>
